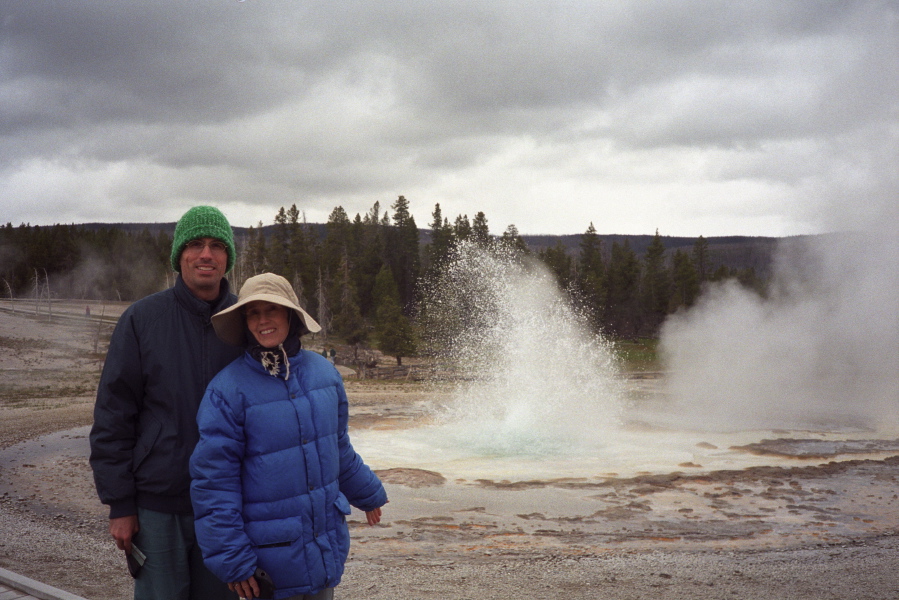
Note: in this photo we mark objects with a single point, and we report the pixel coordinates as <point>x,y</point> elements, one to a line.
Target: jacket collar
<point>296,364</point>
<point>201,307</point>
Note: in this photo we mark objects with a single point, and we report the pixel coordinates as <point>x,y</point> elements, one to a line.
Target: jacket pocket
<point>343,505</point>
<point>145,441</point>
<point>274,545</point>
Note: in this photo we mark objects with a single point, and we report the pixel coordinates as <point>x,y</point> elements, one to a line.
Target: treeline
<point>629,296</point>
<point>360,277</point>
<point>105,263</point>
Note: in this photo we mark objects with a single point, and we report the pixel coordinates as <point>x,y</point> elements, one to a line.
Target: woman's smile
<point>268,322</point>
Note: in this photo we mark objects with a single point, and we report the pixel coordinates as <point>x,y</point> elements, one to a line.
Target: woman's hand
<point>248,588</point>
<point>373,516</point>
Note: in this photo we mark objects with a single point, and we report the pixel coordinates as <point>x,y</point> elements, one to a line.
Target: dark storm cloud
<point>359,99</point>
<point>128,61</point>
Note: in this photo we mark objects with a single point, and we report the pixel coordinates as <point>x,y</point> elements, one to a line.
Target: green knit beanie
<point>202,222</point>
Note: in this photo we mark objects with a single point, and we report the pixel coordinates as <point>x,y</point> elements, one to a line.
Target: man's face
<point>203,263</point>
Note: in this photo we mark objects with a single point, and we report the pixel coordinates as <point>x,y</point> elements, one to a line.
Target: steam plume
<point>822,351</point>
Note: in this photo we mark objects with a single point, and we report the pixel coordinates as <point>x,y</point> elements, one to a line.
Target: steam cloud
<point>822,351</point>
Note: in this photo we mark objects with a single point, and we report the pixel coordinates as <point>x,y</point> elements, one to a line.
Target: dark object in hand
<point>135,560</point>
<point>266,586</point>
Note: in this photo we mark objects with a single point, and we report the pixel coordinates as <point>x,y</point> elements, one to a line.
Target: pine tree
<point>278,256</point>
<point>480,232</point>
<point>348,322</point>
<point>337,239</point>
<point>299,268</point>
<point>371,260</point>
<point>396,336</point>
<point>559,262</point>
<point>701,258</point>
<point>462,228</point>
<point>623,287</point>
<point>373,216</point>
<point>721,273</point>
<point>656,284</point>
<point>685,281</point>
<point>513,239</point>
<point>442,241</point>
<point>403,253</point>
<point>256,251</point>
<point>591,273</point>
<point>242,267</point>
<point>395,333</point>
<point>324,313</point>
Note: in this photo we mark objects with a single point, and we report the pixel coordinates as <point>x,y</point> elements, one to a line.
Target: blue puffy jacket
<point>274,475</point>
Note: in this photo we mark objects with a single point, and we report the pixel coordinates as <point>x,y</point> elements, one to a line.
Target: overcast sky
<point>767,117</point>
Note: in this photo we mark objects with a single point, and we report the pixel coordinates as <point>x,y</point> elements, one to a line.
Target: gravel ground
<point>78,556</point>
<point>860,571</point>
<point>822,531</point>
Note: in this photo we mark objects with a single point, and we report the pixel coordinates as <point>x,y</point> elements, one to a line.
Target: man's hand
<point>122,530</point>
<point>248,588</point>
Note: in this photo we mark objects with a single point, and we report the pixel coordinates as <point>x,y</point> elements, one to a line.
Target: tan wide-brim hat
<point>230,324</point>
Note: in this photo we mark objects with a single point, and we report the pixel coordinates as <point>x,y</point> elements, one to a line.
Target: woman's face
<point>267,322</point>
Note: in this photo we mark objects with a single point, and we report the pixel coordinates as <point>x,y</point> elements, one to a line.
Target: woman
<point>274,473</point>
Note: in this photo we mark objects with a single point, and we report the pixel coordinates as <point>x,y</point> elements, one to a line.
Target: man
<point>162,355</point>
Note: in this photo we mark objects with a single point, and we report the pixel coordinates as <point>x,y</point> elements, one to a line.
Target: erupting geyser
<point>521,390</point>
<point>528,376</point>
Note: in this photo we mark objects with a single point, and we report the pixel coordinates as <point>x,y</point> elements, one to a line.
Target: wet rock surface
<point>813,448</point>
<point>825,528</point>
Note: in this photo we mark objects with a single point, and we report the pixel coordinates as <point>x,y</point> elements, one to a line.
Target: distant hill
<point>737,252</point>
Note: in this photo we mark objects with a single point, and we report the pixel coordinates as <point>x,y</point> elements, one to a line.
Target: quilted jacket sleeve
<point>216,489</point>
<point>357,481</point>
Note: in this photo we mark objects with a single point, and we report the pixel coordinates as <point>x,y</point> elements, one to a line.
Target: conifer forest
<point>360,277</point>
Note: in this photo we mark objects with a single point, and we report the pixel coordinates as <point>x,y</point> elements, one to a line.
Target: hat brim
<point>230,324</point>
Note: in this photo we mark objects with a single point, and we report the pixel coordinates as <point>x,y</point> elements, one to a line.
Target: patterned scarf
<point>272,359</point>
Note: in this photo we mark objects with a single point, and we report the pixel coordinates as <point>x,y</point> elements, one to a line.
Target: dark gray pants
<point>174,569</point>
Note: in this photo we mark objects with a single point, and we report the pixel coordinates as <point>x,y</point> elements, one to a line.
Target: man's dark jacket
<point>162,354</point>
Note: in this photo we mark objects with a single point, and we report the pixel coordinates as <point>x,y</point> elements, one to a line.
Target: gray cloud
<point>459,103</point>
